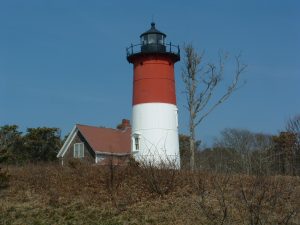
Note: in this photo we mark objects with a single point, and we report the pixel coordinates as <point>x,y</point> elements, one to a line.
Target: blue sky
<point>63,61</point>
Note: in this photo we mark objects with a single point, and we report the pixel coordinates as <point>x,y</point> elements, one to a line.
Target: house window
<point>78,150</point>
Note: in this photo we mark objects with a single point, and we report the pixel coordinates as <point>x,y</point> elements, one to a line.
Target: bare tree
<point>241,141</point>
<point>201,82</point>
<point>293,126</point>
<point>251,149</point>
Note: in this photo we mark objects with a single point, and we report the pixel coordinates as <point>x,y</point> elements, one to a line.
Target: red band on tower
<point>154,80</point>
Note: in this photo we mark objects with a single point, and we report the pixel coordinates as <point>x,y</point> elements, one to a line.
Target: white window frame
<point>137,143</point>
<point>136,139</point>
<point>77,152</point>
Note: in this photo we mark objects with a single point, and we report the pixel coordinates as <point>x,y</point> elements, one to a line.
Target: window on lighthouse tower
<point>136,139</point>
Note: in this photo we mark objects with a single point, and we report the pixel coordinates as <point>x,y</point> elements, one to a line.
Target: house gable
<point>67,143</point>
<point>89,154</point>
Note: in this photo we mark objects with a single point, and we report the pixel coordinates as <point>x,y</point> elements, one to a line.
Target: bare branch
<point>209,76</point>
<point>231,88</point>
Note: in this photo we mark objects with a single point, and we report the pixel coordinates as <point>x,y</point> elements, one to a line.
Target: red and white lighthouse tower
<point>154,110</point>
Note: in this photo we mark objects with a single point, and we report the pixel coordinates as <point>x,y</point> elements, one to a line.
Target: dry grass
<point>81,194</point>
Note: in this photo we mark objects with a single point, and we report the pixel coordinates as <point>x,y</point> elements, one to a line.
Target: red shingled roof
<point>107,140</point>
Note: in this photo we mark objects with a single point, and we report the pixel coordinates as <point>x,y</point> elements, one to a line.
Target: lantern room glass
<point>153,39</point>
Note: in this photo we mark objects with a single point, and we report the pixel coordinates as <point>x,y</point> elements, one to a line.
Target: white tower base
<point>155,134</point>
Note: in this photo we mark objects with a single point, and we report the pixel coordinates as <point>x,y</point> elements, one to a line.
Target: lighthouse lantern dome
<point>153,40</point>
<point>153,43</point>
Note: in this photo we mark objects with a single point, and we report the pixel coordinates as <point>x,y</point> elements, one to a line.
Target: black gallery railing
<point>167,48</point>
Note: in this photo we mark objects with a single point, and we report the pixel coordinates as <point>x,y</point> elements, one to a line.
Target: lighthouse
<point>154,111</point>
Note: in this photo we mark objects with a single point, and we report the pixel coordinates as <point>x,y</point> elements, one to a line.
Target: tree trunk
<point>192,148</point>
<point>192,151</point>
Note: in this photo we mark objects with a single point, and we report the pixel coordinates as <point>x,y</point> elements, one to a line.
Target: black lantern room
<point>152,42</point>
